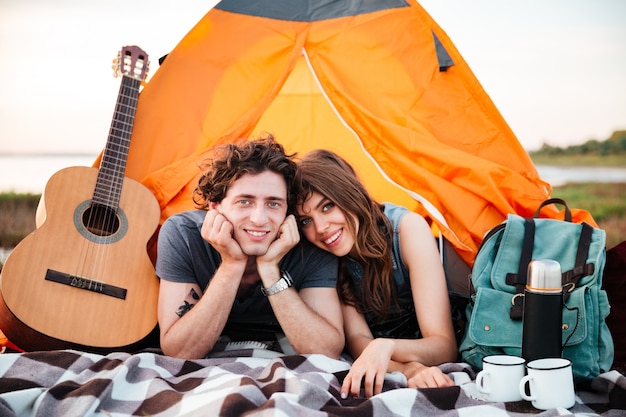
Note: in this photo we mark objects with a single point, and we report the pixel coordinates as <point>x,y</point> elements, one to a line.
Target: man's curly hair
<point>232,161</point>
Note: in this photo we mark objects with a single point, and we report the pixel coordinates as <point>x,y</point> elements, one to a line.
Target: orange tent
<point>377,81</point>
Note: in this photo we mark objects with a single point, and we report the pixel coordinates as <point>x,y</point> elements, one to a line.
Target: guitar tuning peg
<point>116,65</point>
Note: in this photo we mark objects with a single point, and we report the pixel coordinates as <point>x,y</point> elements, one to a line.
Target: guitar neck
<point>113,164</point>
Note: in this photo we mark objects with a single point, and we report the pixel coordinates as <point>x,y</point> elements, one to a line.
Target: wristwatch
<point>283,283</point>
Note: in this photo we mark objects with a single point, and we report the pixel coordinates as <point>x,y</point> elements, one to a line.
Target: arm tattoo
<point>187,305</point>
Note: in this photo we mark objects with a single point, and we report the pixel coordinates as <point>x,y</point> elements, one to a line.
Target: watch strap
<point>282,284</point>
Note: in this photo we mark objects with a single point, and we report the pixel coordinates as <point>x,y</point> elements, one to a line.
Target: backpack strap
<point>581,268</point>
<point>519,279</point>
<point>567,215</point>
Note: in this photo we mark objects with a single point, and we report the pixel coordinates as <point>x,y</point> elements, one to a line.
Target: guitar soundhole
<point>101,220</point>
<point>100,223</point>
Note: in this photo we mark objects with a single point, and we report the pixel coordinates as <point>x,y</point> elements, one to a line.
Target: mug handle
<point>522,388</point>
<point>480,382</point>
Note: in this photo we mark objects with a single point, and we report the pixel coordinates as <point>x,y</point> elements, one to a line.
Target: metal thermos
<point>543,311</point>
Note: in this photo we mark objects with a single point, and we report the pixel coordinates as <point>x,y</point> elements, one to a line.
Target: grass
<point>17,217</point>
<point>614,160</point>
<point>606,203</point>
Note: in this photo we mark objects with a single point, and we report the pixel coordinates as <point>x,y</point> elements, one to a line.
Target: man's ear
<point>212,205</point>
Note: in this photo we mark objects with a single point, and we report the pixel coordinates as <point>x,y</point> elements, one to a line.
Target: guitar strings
<point>103,214</point>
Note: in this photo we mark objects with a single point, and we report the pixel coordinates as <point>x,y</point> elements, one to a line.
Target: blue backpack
<point>494,313</point>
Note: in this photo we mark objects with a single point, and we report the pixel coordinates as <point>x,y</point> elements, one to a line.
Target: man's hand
<point>218,231</point>
<point>288,237</point>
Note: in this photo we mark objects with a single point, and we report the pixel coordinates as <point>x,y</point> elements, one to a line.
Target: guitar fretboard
<point>113,164</point>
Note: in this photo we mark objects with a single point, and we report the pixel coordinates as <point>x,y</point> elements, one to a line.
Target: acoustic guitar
<point>83,279</point>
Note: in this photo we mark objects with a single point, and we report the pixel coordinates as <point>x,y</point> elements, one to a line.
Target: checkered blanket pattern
<point>72,383</point>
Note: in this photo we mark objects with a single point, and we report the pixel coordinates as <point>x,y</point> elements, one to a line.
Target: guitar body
<point>54,283</point>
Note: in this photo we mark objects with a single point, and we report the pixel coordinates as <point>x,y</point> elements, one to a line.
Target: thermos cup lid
<point>544,275</point>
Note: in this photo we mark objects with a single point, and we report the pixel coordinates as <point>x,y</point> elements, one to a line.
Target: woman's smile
<point>333,238</point>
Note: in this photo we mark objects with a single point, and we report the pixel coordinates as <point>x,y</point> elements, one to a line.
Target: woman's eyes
<point>304,221</point>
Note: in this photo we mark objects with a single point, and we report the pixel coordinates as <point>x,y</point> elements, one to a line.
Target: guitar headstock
<point>131,61</point>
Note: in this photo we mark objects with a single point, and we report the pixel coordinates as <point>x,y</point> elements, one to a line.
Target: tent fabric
<point>377,81</point>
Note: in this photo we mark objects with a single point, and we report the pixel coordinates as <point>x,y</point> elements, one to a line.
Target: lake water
<point>561,175</point>
<point>4,252</point>
<point>30,173</point>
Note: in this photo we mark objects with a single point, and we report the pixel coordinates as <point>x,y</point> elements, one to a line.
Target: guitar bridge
<point>87,284</point>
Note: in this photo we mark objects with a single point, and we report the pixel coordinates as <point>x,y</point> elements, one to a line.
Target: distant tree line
<point>616,144</point>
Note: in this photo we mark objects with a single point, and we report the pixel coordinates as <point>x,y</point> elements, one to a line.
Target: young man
<point>237,266</point>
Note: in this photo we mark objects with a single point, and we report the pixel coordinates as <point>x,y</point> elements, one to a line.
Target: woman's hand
<point>369,368</point>
<point>422,376</point>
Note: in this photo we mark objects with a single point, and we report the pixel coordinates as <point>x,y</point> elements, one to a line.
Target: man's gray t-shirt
<point>184,256</point>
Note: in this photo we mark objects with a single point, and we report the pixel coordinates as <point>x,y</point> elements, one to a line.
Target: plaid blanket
<point>71,383</point>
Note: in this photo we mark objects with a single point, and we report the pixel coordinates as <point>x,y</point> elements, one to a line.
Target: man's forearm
<point>197,331</point>
<point>306,330</point>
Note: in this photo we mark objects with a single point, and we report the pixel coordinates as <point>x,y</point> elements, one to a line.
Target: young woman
<point>395,308</point>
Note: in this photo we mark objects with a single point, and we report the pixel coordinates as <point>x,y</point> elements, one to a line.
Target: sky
<point>555,69</point>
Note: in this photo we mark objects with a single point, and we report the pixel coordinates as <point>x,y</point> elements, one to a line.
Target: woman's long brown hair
<point>330,175</point>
